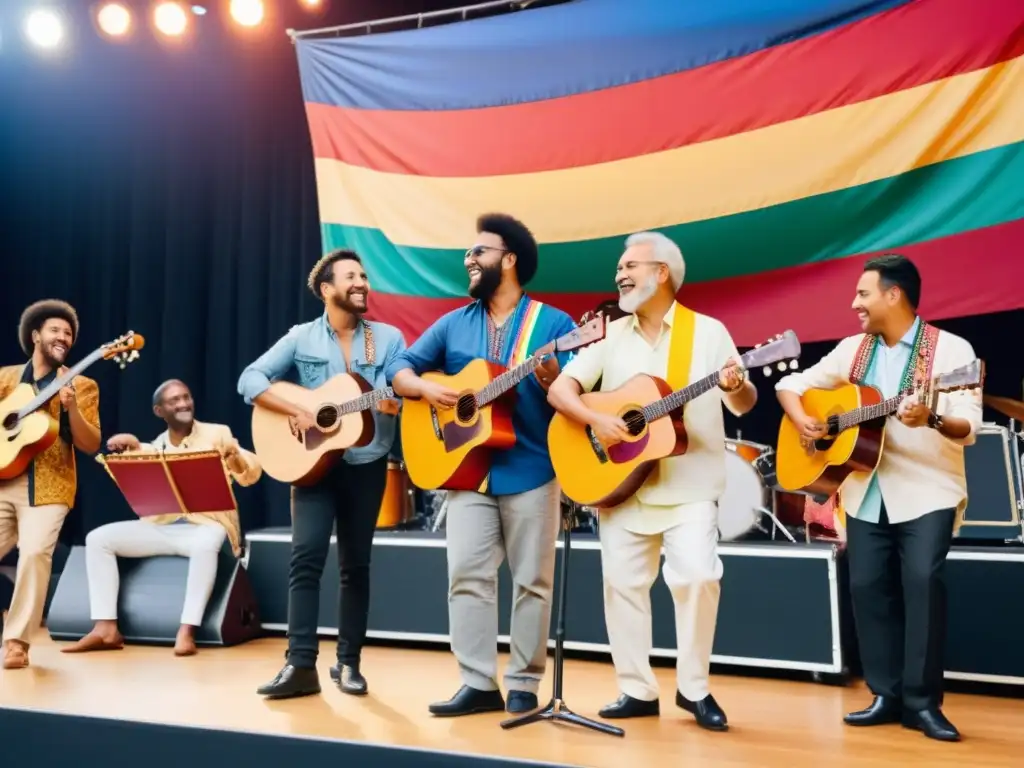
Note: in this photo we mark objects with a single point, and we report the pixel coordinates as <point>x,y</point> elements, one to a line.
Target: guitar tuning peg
<point>767,370</point>
<point>793,365</point>
<point>782,366</point>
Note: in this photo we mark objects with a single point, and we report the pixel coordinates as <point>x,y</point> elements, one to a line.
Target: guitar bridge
<point>436,424</point>
<point>596,446</point>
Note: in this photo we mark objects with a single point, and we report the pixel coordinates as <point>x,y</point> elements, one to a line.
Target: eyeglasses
<point>479,250</point>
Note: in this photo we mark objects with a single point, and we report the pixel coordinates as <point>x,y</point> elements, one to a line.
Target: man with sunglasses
<point>516,513</point>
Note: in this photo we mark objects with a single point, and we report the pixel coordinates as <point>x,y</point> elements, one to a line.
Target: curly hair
<point>323,270</point>
<point>35,315</point>
<point>518,240</point>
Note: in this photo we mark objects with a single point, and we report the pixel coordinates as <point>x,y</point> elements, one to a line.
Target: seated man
<point>198,537</point>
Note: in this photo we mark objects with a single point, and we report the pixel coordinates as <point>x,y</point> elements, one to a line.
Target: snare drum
<point>745,495</point>
<point>396,506</point>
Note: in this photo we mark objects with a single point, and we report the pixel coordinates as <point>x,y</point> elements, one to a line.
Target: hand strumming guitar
<point>301,422</point>
<point>438,395</point>
<point>609,429</point>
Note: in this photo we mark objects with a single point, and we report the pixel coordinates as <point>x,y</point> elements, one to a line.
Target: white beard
<point>640,295</point>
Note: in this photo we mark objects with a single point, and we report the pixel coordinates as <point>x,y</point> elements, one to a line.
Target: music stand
<point>195,482</point>
<point>556,710</point>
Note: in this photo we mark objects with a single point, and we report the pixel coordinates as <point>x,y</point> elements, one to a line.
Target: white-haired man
<point>677,507</point>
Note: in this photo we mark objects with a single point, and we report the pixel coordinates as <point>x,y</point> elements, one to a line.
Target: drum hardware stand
<point>778,523</point>
<point>556,710</point>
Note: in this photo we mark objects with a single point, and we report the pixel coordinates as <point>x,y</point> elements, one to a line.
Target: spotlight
<point>114,19</point>
<point>170,19</point>
<point>44,28</point>
<point>248,13</point>
<point>311,3</point>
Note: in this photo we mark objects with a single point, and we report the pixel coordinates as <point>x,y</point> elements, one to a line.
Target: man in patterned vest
<point>900,517</point>
<point>33,504</point>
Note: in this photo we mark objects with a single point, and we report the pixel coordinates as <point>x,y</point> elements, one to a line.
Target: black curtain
<point>171,191</point>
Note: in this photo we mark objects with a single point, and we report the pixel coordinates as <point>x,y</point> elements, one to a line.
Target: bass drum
<point>745,496</point>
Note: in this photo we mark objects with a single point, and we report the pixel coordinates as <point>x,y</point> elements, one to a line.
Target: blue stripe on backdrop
<point>551,52</point>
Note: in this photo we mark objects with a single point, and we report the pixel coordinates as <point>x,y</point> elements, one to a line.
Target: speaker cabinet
<point>150,599</point>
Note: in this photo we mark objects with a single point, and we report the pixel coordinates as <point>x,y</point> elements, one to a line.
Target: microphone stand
<point>556,710</point>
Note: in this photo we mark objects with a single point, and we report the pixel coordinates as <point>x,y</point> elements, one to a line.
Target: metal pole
<point>417,17</point>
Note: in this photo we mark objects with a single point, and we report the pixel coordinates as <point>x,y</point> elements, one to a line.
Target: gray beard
<point>640,295</point>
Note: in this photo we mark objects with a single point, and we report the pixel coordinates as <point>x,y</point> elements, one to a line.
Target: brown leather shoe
<point>15,655</point>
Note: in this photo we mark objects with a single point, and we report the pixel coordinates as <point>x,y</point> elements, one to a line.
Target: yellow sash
<point>680,352</point>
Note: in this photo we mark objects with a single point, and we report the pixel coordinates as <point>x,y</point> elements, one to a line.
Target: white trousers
<point>693,571</point>
<point>201,544</point>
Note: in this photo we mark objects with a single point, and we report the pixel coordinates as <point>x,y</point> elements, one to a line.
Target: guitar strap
<point>680,352</point>
<point>369,346</point>
<point>919,365</point>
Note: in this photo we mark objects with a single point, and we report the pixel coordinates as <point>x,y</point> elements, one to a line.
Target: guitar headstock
<point>588,332</point>
<point>971,376</point>
<point>124,349</point>
<point>779,349</point>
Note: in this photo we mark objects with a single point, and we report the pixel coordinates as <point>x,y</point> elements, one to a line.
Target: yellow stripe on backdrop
<point>817,154</point>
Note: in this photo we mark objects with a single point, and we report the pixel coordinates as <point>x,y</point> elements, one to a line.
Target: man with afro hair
<point>34,503</point>
<point>516,513</point>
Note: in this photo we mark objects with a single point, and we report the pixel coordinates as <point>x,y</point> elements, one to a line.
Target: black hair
<point>517,238</point>
<point>36,315</point>
<point>898,271</point>
<point>323,270</point>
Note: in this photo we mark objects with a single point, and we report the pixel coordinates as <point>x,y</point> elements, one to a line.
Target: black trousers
<point>897,582</point>
<point>348,497</point>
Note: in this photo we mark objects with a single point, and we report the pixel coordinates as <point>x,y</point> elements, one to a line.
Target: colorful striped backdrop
<point>779,142</point>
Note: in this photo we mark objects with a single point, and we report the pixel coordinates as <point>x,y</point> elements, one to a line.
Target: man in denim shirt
<point>516,514</point>
<point>350,494</point>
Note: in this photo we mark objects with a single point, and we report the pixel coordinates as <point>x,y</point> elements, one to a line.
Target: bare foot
<point>184,644</point>
<point>15,655</point>
<point>96,641</point>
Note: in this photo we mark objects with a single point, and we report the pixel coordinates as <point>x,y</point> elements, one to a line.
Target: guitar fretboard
<point>507,380</point>
<point>679,398</point>
<point>58,384</point>
<point>365,401</point>
<point>870,412</point>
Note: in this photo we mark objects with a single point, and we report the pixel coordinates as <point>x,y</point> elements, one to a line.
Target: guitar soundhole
<point>327,416</point>
<point>635,422</point>
<point>465,408</point>
<point>10,421</point>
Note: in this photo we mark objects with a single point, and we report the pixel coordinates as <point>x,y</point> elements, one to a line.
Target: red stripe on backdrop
<point>898,49</point>
<point>971,273</point>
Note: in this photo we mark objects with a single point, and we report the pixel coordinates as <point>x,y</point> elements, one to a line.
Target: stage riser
<point>779,606</point>
<point>150,599</point>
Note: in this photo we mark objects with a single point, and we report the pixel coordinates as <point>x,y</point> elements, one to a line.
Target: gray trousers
<point>481,531</point>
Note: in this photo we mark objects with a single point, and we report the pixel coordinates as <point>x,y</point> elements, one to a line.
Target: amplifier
<point>994,492</point>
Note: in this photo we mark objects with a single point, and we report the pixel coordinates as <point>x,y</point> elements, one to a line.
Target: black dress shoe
<point>932,723</point>
<point>626,706</point>
<point>469,701</point>
<point>706,711</point>
<point>883,710</point>
<point>349,680</point>
<point>521,701</point>
<point>290,683</point>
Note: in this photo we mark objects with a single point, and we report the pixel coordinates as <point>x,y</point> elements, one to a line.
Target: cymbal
<point>1007,406</point>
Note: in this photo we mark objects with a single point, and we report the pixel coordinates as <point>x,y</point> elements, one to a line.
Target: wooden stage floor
<point>773,723</point>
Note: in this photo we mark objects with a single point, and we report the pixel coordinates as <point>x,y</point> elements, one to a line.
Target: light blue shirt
<point>309,355</point>
<point>885,375</point>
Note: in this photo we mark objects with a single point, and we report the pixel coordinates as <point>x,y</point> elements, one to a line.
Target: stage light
<point>170,19</point>
<point>248,13</point>
<point>311,3</point>
<point>44,28</point>
<point>114,19</point>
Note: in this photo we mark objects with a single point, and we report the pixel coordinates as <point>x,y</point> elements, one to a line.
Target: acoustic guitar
<point>855,416</point>
<point>451,448</point>
<point>26,430</point>
<point>595,475</point>
<point>342,407</point>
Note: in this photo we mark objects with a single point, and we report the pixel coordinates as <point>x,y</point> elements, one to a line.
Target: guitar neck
<point>58,384</point>
<point>366,401</point>
<point>870,412</point>
<point>506,381</point>
<point>681,397</point>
